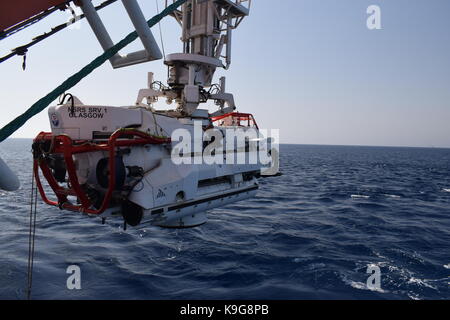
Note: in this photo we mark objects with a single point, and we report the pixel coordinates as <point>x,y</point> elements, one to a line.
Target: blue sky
<point>308,67</point>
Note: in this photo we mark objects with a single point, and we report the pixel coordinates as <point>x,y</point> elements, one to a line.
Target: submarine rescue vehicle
<point>164,167</point>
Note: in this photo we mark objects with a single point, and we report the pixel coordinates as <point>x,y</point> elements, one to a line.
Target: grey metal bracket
<point>151,50</point>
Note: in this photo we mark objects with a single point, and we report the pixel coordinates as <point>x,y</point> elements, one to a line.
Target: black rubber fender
<point>132,213</point>
<point>102,173</point>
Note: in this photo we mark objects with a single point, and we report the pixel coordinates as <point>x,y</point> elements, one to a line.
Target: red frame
<point>241,117</point>
<point>63,144</point>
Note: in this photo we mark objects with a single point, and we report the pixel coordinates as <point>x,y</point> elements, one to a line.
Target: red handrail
<point>240,116</point>
<point>63,144</point>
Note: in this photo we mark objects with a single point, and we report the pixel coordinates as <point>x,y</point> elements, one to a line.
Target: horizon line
<point>329,145</point>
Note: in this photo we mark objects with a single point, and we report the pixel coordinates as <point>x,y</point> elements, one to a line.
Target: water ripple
<point>309,234</point>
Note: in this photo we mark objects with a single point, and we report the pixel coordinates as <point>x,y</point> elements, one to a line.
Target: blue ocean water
<point>309,234</point>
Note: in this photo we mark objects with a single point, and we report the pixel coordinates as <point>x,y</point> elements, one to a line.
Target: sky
<point>310,68</point>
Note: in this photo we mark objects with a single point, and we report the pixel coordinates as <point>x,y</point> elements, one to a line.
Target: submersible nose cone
<point>8,180</point>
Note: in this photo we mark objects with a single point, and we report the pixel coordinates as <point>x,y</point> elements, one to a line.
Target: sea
<point>342,222</point>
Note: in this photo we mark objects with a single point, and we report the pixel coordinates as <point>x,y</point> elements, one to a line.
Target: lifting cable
<point>162,39</point>
<point>160,32</point>
<point>31,233</point>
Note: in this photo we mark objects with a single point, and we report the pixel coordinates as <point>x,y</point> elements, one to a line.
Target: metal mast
<point>207,27</point>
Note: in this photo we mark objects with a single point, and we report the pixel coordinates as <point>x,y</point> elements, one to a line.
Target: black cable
<point>32,233</point>
<point>62,100</point>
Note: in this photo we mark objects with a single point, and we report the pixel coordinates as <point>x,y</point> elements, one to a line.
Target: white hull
<point>150,186</point>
